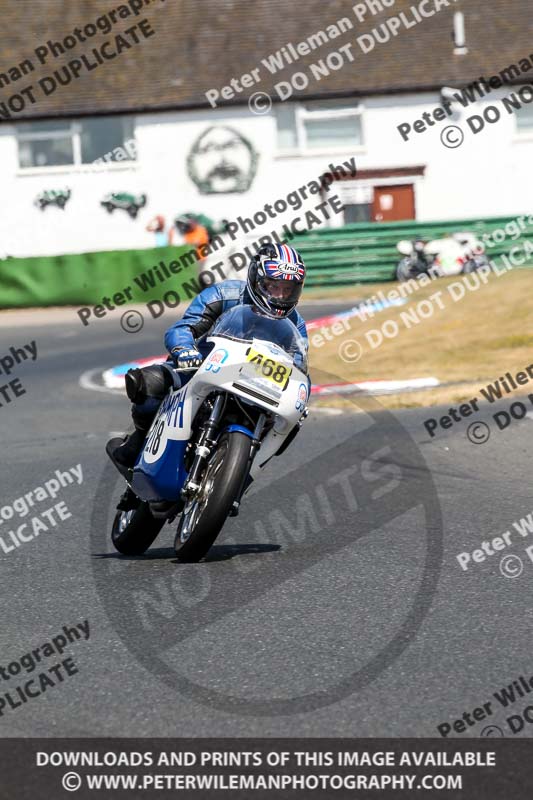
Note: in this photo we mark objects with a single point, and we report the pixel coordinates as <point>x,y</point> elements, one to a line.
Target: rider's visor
<point>281,292</point>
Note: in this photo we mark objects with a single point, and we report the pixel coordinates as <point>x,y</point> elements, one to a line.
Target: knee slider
<point>157,381</point>
<point>135,386</point>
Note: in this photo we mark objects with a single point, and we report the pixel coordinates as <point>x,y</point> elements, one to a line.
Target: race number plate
<point>262,366</point>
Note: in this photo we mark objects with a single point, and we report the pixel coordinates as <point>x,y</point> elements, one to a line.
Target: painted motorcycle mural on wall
<point>124,200</point>
<point>52,197</point>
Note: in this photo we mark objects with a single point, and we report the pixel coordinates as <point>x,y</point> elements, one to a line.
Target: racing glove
<point>185,358</point>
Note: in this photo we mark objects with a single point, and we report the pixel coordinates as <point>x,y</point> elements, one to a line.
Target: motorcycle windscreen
<point>243,324</point>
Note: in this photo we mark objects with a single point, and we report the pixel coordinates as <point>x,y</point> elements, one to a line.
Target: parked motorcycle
<point>451,255</point>
<point>249,396</point>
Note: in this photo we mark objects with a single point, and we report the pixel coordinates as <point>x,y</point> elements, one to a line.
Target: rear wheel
<point>202,518</point>
<point>134,531</point>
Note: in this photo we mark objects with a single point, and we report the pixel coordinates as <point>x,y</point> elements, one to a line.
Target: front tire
<point>202,518</point>
<point>473,264</point>
<point>405,270</point>
<point>134,531</point>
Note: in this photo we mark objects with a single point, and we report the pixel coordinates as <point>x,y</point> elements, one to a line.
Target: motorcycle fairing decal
<point>302,398</point>
<point>215,360</point>
<point>172,423</point>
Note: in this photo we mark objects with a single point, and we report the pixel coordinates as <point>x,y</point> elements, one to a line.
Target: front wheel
<point>473,264</point>
<point>405,270</point>
<point>134,531</point>
<point>203,517</point>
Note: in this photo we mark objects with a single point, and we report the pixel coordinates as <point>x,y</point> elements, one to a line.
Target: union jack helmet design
<point>275,279</point>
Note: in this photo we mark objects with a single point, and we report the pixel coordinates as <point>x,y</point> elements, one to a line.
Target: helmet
<point>185,223</point>
<point>275,279</point>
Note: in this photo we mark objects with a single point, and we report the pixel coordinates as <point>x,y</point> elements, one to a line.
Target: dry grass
<point>468,342</point>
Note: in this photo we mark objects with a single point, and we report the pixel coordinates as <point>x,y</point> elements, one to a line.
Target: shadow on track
<point>217,552</point>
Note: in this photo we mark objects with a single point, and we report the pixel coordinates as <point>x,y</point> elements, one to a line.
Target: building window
<point>74,143</point>
<point>524,119</point>
<point>319,126</point>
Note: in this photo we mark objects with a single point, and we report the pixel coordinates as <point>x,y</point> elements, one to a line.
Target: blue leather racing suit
<point>190,332</point>
<point>204,311</point>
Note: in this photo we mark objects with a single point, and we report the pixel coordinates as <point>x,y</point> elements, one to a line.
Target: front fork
<point>256,444</point>
<point>203,448</point>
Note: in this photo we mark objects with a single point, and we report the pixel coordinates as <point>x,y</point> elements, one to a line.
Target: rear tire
<point>134,531</point>
<point>202,519</point>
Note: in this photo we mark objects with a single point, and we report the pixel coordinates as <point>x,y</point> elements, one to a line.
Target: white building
<point>184,155</point>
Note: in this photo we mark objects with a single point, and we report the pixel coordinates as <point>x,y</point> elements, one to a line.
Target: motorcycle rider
<point>273,288</point>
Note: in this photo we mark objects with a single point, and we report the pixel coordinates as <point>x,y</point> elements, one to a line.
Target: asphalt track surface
<point>348,620</point>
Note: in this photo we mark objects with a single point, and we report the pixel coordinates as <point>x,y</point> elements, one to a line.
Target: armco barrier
<point>359,253</point>
<point>86,278</point>
<point>366,252</point>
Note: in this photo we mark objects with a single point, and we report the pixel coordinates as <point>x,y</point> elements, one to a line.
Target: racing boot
<point>126,454</point>
<point>123,452</point>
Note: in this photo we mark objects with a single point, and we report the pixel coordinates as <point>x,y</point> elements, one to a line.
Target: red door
<point>393,203</point>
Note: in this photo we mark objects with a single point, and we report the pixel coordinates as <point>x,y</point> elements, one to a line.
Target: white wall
<point>489,175</point>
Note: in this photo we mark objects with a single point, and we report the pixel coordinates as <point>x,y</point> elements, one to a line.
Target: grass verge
<point>467,342</point>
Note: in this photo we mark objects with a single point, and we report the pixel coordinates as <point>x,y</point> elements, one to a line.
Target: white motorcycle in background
<point>452,255</point>
<point>242,406</point>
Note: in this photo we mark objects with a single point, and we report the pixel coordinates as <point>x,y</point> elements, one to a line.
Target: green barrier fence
<point>359,253</point>
<point>84,279</point>
<point>366,252</point>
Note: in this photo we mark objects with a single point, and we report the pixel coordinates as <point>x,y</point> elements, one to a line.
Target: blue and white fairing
<point>262,361</point>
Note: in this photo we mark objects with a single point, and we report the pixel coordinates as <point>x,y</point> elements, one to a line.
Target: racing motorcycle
<point>210,437</point>
<point>452,255</point>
